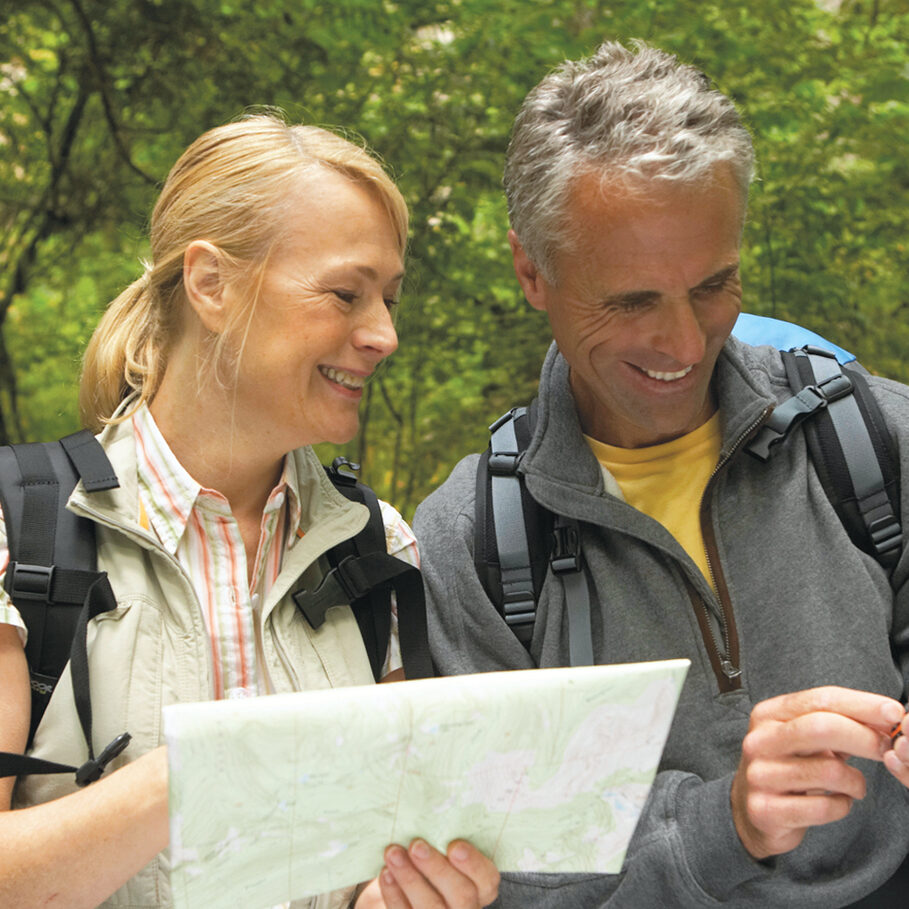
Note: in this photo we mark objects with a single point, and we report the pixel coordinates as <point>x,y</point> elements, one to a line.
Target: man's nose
<point>679,333</point>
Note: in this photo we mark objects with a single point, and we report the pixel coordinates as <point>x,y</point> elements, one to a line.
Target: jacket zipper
<point>723,659</point>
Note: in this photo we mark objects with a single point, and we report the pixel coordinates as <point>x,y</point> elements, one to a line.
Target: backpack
<point>53,581</point>
<point>517,542</point>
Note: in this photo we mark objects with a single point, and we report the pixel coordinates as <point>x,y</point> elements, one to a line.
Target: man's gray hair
<point>626,115</point>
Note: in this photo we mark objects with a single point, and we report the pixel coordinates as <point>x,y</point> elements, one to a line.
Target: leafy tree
<point>99,98</point>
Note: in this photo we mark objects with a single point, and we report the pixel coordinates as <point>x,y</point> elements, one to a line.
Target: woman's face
<point>323,322</point>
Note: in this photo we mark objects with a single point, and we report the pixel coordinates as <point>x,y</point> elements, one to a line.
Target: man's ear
<point>203,282</point>
<point>532,282</point>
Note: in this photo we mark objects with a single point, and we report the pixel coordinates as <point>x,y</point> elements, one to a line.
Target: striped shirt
<point>196,526</point>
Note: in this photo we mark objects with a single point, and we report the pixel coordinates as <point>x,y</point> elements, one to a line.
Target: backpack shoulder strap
<point>504,550</point>
<point>517,541</point>
<point>849,444</point>
<point>363,574</point>
<point>52,578</point>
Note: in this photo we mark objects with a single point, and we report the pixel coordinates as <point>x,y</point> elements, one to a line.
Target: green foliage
<point>99,98</point>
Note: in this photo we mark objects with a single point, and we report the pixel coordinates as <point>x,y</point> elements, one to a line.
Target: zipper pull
<point>729,670</point>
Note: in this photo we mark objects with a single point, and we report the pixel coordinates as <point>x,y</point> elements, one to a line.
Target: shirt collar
<point>168,494</point>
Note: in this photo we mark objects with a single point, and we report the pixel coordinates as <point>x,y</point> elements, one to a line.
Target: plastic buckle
<point>566,550</point>
<point>504,463</point>
<point>344,470</point>
<point>31,582</point>
<point>343,584</point>
<point>92,770</point>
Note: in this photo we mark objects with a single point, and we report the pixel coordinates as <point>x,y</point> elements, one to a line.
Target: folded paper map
<point>276,798</point>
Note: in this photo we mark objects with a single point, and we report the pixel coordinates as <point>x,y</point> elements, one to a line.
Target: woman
<point>277,257</point>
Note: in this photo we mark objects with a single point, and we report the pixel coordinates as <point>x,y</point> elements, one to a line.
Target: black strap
<point>567,563</point>
<point>51,579</point>
<point>508,553</point>
<point>864,480</point>
<point>516,576</point>
<point>363,575</point>
<point>100,598</point>
<point>849,445</point>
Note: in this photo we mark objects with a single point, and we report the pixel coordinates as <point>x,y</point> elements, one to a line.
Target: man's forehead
<point>594,189</point>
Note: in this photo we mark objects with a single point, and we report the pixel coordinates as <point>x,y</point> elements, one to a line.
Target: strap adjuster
<point>91,770</point>
<point>30,582</point>
<point>504,463</point>
<point>566,549</point>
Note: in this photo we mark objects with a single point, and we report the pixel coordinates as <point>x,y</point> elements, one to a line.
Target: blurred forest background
<point>99,97</point>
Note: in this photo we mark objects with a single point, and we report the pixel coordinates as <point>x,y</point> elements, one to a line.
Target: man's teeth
<point>669,376</point>
<point>345,379</point>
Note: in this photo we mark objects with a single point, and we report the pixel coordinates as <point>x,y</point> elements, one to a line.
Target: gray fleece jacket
<point>799,606</point>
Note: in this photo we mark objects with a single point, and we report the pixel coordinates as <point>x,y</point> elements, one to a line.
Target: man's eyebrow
<point>724,274</point>
<point>633,298</point>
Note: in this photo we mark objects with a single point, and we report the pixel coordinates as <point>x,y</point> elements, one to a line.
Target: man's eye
<point>711,288</point>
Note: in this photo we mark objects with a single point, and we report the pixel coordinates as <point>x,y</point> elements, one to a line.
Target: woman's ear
<point>203,282</point>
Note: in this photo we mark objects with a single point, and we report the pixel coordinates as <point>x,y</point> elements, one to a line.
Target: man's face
<point>643,302</point>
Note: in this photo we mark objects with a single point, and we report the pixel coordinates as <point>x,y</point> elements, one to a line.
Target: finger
<point>815,732</point>
<point>414,888</point>
<point>861,706</point>
<point>899,769</point>
<point>392,894</point>
<point>777,814</point>
<point>818,774</point>
<point>901,747</point>
<point>456,888</point>
<point>470,861</point>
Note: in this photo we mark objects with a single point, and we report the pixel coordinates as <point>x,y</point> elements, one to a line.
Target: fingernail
<point>419,849</point>
<point>459,852</point>
<point>395,856</point>
<point>893,712</point>
<point>387,877</point>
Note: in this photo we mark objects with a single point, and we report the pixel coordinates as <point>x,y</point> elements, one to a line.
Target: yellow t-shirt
<point>667,481</point>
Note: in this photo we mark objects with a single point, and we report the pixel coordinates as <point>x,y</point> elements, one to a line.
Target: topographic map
<point>279,797</point>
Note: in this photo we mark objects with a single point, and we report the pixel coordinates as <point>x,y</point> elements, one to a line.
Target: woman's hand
<point>423,878</point>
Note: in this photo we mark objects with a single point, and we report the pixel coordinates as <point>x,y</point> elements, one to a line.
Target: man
<point>627,177</point>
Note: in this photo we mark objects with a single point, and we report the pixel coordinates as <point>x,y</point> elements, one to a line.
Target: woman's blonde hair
<point>231,187</point>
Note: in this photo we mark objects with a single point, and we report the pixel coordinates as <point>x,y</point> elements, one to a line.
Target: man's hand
<point>896,760</point>
<point>422,878</point>
<point>793,772</point>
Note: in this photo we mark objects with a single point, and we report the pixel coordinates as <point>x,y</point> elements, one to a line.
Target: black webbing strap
<point>52,581</point>
<point>865,476</point>
<point>353,578</point>
<point>90,461</point>
<point>518,600</point>
<point>372,609</point>
<point>799,407</point>
<point>40,488</point>
<point>100,598</point>
<point>567,563</point>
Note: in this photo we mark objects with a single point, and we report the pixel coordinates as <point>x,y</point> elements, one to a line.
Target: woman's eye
<point>347,296</point>
<point>391,302</point>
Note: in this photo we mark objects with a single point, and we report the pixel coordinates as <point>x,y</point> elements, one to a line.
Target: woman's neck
<point>208,439</point>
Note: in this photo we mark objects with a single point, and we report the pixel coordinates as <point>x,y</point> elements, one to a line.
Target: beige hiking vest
<point>153,650</point>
